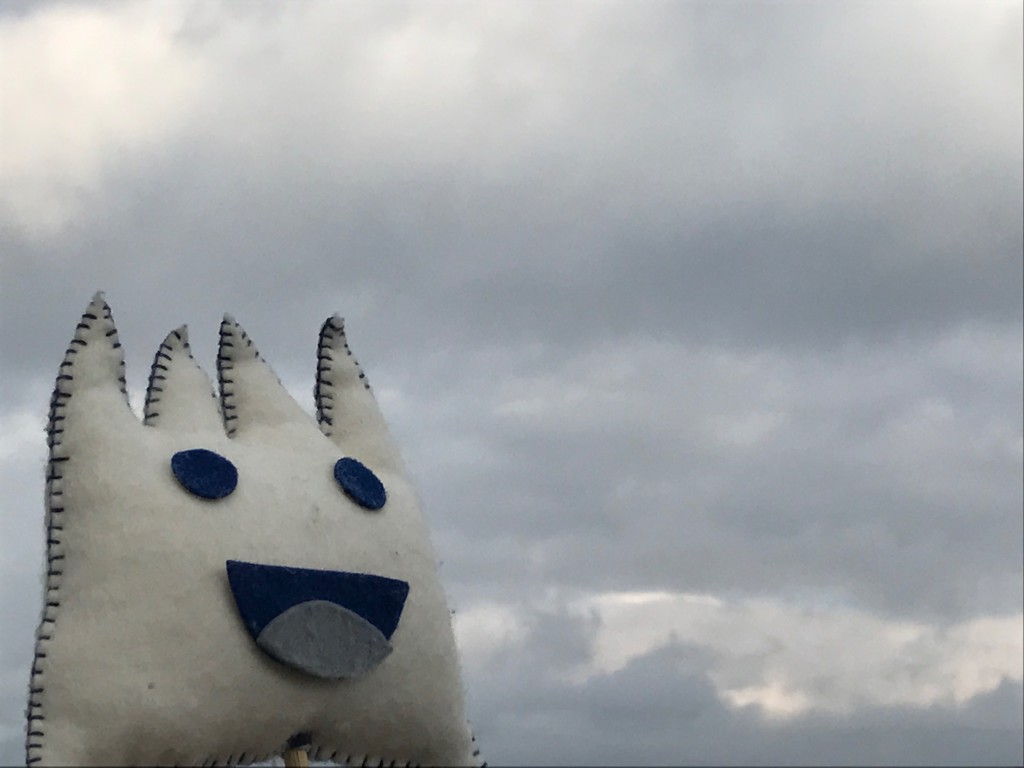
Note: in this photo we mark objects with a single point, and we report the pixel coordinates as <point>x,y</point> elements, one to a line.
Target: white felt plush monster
<point>229,577</point>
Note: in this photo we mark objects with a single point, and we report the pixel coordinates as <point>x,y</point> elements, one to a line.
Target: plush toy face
<point>229,576</point>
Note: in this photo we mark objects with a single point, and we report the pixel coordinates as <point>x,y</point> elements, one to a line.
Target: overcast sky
<point>699,324</point>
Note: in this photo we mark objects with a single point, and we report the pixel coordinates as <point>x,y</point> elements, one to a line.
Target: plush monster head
<point>229,577</point>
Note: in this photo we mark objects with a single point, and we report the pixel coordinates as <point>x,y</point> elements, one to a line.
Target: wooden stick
<point>296,758</point>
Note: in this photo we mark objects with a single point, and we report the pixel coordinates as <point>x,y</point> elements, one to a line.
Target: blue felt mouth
<point>331,624</point>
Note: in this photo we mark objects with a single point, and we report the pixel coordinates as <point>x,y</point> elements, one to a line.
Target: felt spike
<point>345,406</point>
<point>89,403</point>
<point>180,395</point>
<point>251,395</point>
<point>90,387</point>
<point>95,352</point>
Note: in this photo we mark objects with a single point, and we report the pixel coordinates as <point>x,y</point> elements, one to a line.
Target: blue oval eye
<point>204,473</point>
<point>359,483</point>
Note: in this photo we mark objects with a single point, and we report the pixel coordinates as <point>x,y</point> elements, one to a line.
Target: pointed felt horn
<point>251,395</point>
<point>345,406</point>
<point>88,406</point>
<point>90,386</point>
<point>180,395</point>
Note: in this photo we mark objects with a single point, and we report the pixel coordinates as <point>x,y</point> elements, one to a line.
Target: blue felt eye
<point>359,483</point>
<point>204,473</point>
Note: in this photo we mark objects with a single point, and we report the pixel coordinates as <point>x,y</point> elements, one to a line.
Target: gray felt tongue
<point>323,639</point>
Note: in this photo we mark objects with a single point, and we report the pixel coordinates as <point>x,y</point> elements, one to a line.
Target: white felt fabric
<point>142,657</point>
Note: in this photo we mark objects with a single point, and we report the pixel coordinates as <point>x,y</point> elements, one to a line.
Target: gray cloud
<point>831,497</point>
<point>665,702</point>
<point>831,208</point>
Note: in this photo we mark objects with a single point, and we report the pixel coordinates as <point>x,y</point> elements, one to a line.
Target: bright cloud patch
<point>94,86</point>
<point>784,658</point>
